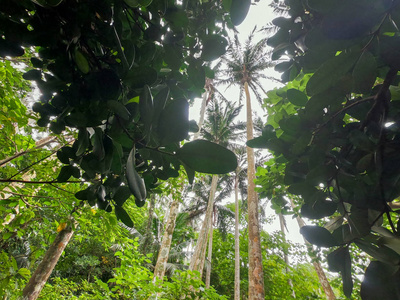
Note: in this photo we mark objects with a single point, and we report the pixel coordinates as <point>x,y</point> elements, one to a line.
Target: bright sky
<point>259,15</point>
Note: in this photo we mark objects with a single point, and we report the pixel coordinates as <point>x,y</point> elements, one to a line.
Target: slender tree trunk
<point>202,113</point>
<point>330,295</point>
<point>282,223</point>
<point>209,256</point>
<point>45,268</point>
<point>148,236</point>
<point>256,274</point>
<point>159,270</point>
<point>237,249</point>
<point>198,258</point>
<point>207,95</point>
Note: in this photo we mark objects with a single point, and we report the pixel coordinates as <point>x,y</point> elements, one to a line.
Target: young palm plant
<point>245,65</point>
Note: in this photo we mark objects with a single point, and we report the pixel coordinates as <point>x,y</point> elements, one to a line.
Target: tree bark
<point>147,236</point>
<point>256,274</point>
<point>159,270</point>
<point>45,268</point>
<point>330,295</point>
<point>237,249</point>
<point>282,223</point>
<point>198,258</point>
<point>209,256</point>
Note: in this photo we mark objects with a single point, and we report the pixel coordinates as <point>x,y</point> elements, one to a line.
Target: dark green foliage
<point>122,73</point>
<point>335,124</point>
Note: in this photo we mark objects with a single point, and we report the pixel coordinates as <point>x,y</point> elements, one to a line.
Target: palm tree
<point>244,67</point>
<point>218,128</point>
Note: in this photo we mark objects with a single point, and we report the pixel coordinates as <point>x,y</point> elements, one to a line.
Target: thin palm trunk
<point>330,295</point>
<point>237,249</point>
<point>45,268</point>
<point>198,258</point>
<point>159,270</point>
<point>209,256</point>
<point>282,223</point>
<point>256,274</point>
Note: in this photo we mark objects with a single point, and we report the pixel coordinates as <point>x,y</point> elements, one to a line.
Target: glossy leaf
<point>135,182</point>
<point>206,157</point>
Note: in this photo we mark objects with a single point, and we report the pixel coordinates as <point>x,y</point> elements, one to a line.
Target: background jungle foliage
<point>111,129</point>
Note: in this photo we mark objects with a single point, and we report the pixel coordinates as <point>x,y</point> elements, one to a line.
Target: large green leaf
<point>214,46</point>
<point>206,157</point>
<point>381,281</point>
<point>382,253</point>
<point>135,182</point>
<point>123,216</point>
<point>296,97</point>
<point>121,195</point>
<point>340,261</point>
<point>318,236</point>
<point>173,125</point>
<point>364,73</point>
<point>239,10</point>
<point>331,72</point>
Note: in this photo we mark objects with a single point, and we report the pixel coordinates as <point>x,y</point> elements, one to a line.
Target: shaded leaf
<point>206,157</point>
<point>135,182</point>
<point>123,216</point>
<point>318,236</point>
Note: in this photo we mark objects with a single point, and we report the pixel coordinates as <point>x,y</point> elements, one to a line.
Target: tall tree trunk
<point>209,256</point>
<point>198,258</point>
<point>282,223</point>
<point>50,259</point>
<point>159,270</point>
<point>256,274</point>
<point>330,295</point>
<point>148,236</point>
<point>237,249</point>
<point>207,95</point>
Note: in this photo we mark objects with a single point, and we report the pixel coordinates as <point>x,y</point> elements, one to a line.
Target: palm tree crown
<point>245,63</point>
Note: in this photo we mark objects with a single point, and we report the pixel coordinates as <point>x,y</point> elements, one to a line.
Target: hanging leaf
<point>135,182</point>
<point>206,157</point>
<point>65,174</point>
<point>239,10</point>
<point>318,236</point>
<point>123,216</point>
<point>97,142</point>
<point>121,195</point>
<point>81,61</point>
<point>83,141</point>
